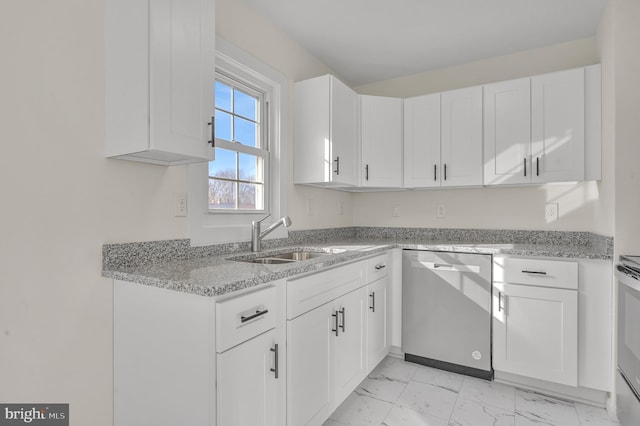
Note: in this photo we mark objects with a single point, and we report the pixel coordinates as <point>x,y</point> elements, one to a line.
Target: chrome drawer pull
<point>335,315</point>
<point>535,272</point>
<point>373,301</point>
<point>380,266</point>
<point>244,319</point>
<point>343,315</point>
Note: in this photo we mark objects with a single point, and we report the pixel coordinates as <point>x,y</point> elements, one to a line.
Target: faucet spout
<point>257,236</point>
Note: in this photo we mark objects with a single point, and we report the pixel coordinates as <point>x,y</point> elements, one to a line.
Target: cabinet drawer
<point>544,273</point>
<point>243,317</point>
<point>377,267</point>
<point>309,292</point>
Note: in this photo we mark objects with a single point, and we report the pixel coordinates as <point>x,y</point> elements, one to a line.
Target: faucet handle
<point>258,221</point>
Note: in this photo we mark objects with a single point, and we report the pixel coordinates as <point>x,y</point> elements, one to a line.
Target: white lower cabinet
<point>349,353</point>
<point>250,343</point>
<point>310,368</point>
<point>247,377</point>
<point>377,322</point>
<point>535,332</point>
<point>326,352</point>
<point>332,347</point>
<point>552,325</point>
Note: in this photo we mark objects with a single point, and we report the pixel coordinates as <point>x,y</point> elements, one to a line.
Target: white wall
<point>626,69</point>
<point>61,199</point>
<point>245,28</point>
<point>582,207</point>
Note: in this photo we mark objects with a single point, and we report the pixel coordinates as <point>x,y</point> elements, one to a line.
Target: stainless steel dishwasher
<point>446,311</point>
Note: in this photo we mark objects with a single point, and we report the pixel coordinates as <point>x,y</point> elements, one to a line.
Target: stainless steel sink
<point>299,255</point>
<point>267,260</point>
<point>288,257</point>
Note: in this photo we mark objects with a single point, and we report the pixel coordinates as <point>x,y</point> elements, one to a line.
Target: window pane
<point>245,105</point>
<point>222,194</point>
<point>224,165</point>
<point>245,132</point>
<point>250,168</point>
<point>223,96</point>
<point>223,125</point>
<point>250,197</point>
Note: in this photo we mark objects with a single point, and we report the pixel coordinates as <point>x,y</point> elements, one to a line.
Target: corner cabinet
<point>326,133</point>
<point>381,141</point>
<point>160,74</point>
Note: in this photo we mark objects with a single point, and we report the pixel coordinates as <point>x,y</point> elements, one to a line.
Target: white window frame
<point>213,227</point>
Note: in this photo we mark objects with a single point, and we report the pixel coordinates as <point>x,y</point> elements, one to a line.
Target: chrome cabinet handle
<point>275,355</point>
<point>366,172</point>
<point>380,266</point>
<point>537,166</point>
<point>445,171</point>
<point>525,167</point>
<point>337,161</point>
<point>534,272</point>
<point>335,315</point>
<point>244,319</point>
<point>435,172</point>
<point>342,310</point>
<point>212,123</point>
<point>500,307</point>
<point>373,301</point>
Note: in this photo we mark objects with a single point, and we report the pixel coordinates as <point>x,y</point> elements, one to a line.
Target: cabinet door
<point>345,134</point>
<point>381,141</point>
<point>557,126</point>
<point>310,366</point>
<point>349,355</point>
<point>377,337</point>
<point>326,128</point>
<point>245,380</point>
<point>535,332</point>
<point>507,132</point>
<point>461,142</point>
<point>422,141</point>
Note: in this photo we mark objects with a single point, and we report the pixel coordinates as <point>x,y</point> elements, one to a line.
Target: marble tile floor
<point>399,393</point>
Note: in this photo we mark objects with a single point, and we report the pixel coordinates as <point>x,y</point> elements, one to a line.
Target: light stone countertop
<point>216,275</point>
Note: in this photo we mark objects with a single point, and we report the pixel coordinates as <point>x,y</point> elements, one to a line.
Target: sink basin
<point>268,260</point>
<point>299,255</point>
<point>288,257</point>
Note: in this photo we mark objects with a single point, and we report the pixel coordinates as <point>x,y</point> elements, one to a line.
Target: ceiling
<point>365,41</point>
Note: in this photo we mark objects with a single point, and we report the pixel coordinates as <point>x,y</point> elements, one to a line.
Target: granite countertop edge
<point>219,275</point>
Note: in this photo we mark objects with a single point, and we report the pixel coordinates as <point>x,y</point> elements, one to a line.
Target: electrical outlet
<point>395,210</point>
<point>180,207</point>
<point>441,212</point>
<point>551,213</point>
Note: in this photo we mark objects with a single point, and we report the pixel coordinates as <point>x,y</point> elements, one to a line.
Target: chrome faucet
<point>257,236</point>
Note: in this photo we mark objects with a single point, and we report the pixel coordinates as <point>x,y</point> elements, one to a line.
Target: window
<point>238,177</point>
<point>248,178</point>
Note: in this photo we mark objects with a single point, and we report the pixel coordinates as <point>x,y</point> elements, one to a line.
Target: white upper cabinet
<point>461,137</point>
<point>558,126</point>
<point>327,133</point>
<point>160,73</point>
<point>422,141</point>
<point>381,124</point>
<point>507,132</point>
<point>443,139</point>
